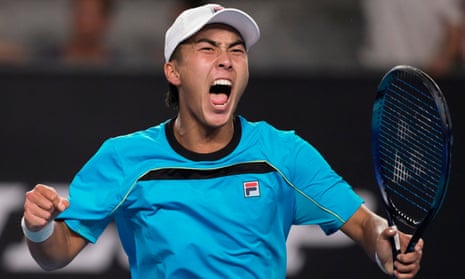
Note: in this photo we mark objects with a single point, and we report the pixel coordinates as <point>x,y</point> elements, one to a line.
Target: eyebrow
<point>217,44</point>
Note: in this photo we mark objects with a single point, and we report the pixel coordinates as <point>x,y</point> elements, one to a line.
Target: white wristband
<point>40,235</point>
<point>380,264</point>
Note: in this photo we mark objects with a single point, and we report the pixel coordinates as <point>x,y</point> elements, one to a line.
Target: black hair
<point>172,97</point>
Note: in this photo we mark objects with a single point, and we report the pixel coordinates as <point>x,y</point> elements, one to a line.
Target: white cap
<point>192,20</point>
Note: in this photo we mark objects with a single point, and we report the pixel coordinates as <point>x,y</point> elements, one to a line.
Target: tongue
<point>218,99</point>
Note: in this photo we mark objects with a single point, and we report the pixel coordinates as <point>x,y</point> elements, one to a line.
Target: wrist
<point>40,235</point>
<point>379,263</point>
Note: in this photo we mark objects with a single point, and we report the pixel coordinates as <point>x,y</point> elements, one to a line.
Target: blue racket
<point>411,144</point>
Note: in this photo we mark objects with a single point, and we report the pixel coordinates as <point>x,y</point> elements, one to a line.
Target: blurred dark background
<point>73,74</point>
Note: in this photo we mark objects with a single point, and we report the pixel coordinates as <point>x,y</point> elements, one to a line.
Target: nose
<point>224,60</point>
<point>226,66</point>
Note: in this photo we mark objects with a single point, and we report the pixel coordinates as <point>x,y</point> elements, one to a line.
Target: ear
<point>172,74</point>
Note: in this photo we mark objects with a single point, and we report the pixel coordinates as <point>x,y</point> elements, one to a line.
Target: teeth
<point>222,82</point>
<point>221,86</point>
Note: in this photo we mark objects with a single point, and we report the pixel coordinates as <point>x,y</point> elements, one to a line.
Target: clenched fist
<point>41,206</point>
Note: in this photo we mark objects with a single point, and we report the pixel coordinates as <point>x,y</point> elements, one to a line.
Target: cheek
<point>194,72</point>
<point>242,68</point>
<point>243,79</point>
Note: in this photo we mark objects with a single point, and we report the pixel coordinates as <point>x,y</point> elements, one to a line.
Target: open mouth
<point>221,86</point>
<point>220,91</point>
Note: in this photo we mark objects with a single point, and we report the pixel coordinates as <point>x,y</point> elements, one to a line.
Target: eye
<point>207,48</point>
<point>238,50</point>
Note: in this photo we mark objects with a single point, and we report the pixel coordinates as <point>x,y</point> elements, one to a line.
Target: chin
<point>219,121</point>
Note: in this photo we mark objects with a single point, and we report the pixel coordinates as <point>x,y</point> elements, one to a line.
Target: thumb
<point>389,232</point>
<point>61,204</point>
<point>64,204</point>
<point>388,240</point>
<point>392,233</point>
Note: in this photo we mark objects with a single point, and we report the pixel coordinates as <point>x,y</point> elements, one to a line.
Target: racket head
<point>411,145</point>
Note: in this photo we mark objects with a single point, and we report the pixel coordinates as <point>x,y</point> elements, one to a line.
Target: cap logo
<point>216,8</point>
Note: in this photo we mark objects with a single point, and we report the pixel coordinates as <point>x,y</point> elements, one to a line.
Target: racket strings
<point>402,135</point>
<point>424,135</point>
<point>415,147</point>
<point>411,148</point>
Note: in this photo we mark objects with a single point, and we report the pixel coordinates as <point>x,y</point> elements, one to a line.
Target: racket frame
<point>392,213</point>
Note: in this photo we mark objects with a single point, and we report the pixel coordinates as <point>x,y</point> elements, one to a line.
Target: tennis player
<point>206,194</point>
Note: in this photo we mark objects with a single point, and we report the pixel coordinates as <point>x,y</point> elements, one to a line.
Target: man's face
<point>213,74</point>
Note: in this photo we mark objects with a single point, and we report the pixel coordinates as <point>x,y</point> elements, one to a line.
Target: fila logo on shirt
<point>251,189</point>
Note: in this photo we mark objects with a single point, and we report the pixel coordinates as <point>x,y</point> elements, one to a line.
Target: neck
<point>202,139</point>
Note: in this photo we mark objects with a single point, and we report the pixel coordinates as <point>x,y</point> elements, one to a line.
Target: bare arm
<point>42,205</point>
<point>372,233</point>
<point>365,228</point>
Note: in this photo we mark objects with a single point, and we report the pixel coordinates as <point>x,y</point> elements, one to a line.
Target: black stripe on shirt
<point>177,173</point>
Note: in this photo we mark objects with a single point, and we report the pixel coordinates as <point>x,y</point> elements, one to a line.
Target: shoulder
<point>266,137</point>
<point>137,143</point>
<point>150,134</point>
<point>265,129</point>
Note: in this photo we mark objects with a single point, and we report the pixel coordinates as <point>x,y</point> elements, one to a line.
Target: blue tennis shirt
<point>226,214</point>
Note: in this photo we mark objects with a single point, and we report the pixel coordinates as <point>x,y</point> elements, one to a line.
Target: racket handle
<point>395,242</point>
<point>412,243</point>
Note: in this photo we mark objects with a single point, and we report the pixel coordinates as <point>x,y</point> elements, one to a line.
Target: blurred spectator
<point>422,33</point>
<point>11,53</point>
<point>86,43</point>
<point>463,37</point>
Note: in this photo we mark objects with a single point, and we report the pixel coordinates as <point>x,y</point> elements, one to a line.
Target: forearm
<point>58,250</point>
<point>374,228</point>
<point>365,227</point>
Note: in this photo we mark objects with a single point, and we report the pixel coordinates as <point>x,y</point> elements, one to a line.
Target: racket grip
<point>396,240</point>
<point>395,243</point>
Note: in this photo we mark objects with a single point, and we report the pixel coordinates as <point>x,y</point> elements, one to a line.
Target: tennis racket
<point>411,144</point>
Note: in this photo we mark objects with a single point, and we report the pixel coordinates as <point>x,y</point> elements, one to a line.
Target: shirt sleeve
<point>322,196</point>
<point>94,193</point>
